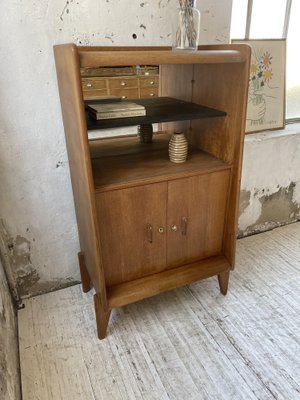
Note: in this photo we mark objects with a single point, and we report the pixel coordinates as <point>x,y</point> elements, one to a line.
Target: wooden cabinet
<point>147,225</point>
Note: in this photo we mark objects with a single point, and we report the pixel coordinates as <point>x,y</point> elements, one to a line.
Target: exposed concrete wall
<point>38,233</point>
<point>270,187</point>
<point>9,354</point>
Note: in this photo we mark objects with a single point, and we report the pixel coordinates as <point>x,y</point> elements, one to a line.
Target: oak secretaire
<point>147,225</point>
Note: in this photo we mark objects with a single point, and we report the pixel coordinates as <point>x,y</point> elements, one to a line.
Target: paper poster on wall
<point>266,96</point>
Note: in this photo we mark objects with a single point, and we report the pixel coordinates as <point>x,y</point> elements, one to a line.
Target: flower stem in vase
<point>187,32</point>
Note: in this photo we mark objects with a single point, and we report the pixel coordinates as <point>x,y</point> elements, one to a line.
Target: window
<point>269,19</point>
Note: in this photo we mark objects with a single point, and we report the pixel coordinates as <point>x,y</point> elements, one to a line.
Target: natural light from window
<point>238,19</point>
<point>267,19</point>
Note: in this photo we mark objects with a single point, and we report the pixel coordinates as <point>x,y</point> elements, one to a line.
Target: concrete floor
<point>190,343</point>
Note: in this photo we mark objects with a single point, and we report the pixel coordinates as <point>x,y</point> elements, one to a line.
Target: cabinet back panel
<point>219,90</point>
<point>176,81</point>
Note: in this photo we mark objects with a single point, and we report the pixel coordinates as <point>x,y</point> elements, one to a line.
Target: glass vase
<point>186,32</point>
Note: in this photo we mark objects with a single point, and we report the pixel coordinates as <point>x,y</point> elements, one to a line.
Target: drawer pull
<point>184,222</point>
<point>152,83</point>
<point>123,83</point>
<point>124,97</point>
<point>89,85</point>
<point>149,233</point>
<point>152,94</point>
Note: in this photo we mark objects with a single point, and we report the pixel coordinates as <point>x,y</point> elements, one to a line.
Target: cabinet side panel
<point>69,83</point>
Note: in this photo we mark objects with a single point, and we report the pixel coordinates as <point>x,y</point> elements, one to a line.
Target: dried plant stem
<point>186,35</point>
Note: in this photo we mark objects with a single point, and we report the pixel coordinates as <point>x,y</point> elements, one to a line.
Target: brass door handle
<point>184,222</point>
<point>149,233</point>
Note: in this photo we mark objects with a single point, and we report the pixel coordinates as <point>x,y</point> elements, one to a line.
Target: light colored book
<point>116,110</point>
<point>100,99</point>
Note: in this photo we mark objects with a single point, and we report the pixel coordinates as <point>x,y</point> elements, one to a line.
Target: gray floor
<point>191,343</point>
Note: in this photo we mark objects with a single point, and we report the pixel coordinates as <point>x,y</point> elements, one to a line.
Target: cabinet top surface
<point>117,56</point>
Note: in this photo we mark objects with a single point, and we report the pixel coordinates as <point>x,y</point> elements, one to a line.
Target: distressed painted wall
<point>270,187</point>
<point>9,354</point>
<point>38,232</point>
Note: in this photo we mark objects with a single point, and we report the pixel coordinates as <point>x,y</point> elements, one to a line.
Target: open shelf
<point>125,162</point>
<point>129,292</point>
<point>160,109</point>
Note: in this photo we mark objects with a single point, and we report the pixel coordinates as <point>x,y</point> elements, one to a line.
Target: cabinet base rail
<point>138,289</point>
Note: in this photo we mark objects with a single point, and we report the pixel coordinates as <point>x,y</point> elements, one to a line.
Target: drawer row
<point>125,87</point>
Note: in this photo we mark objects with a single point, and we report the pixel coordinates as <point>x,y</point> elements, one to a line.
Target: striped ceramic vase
<point>178,147</point>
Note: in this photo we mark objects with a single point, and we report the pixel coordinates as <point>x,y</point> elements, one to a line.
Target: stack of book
<point>115,109</point>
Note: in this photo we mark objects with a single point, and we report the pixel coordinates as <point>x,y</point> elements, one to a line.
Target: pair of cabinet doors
<point>154,227</point>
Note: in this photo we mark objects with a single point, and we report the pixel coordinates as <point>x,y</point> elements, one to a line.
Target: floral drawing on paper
<point>260,87</point>
<point>265,108</point>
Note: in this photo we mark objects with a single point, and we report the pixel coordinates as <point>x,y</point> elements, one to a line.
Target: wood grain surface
<point>97,58</point>
<point>127,162</point>
<point>70,91</point>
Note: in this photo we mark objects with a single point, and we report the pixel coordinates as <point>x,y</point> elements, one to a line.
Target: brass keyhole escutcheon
<point>174,228</point>
<point>161,229</point>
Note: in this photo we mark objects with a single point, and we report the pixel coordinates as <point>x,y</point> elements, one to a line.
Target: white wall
<point>38,233</point>
<point>270,186</point>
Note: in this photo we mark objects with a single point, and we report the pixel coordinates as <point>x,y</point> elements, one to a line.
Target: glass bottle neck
<point>187,3</point>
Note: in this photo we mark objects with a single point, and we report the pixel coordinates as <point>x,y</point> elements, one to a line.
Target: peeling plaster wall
<point>9,354</point>
<point>270,187</point>
<point>38,231</point>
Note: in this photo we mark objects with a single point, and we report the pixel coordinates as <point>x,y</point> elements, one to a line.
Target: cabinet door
<point>195,217</point>
<point>132,225</point>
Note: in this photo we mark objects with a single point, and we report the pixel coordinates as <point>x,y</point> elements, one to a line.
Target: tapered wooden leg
<point>85,277</point>
<point>223,279</point>
<point>102,317</point>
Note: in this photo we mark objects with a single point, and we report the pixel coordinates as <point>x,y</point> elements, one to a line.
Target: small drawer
<point>150,81</point>
<point>92,93</point>
<point>93,83</point>
<point>122,83</point>
<point>126,93</point>
<point>149,92</point>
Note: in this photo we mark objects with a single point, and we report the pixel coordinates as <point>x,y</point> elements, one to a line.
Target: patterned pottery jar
<point>178,148</point>
<point>145,133</point>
